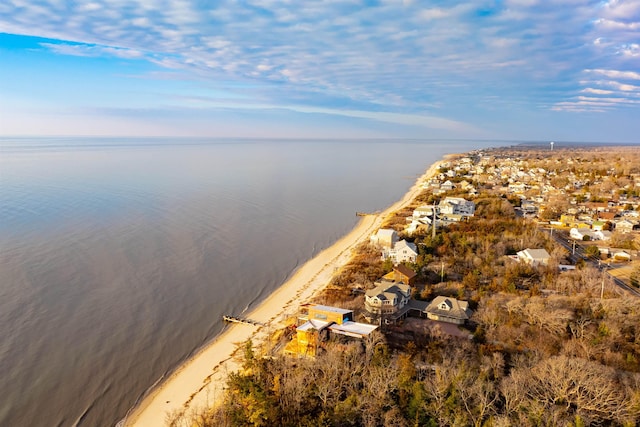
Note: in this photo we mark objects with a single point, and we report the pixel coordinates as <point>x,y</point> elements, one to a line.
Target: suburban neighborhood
<point>515,272</point>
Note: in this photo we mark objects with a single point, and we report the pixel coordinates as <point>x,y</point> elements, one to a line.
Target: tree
<point>635,277</point>
<point>592,251</point>
<point>578,387</point>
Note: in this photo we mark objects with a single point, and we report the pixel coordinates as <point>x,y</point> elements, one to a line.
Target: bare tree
<point>592,389</point>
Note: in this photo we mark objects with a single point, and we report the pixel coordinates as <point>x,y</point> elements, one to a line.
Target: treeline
<point>455,383</point>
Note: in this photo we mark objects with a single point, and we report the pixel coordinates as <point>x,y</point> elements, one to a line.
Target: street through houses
<point>577,252</point>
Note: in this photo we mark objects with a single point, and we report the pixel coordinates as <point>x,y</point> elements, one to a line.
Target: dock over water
<point>236,319</point>
<point>367,213</point>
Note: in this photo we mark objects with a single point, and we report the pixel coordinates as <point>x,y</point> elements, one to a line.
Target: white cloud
<point>92,50</point>
<point>620,9</point>
<point>434,13</point>
<point>630,50</point>
<point>609,24</point>
<point>617,74</point>
<point>597,91</point>
<point>89,7</point>
<point>394,55</point>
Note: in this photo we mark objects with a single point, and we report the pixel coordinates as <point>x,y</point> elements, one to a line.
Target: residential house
<point>566,219</point>
<point>620,255</point>
<point>447,309</point>
<point>327,314</point>
<point>423,211</point>
<point>402,251</point>
<point>318,322</point>
<point>387,297</point>
<point>448,218</point>
<point>385,238</point>
<point>597,206</point>
<point>414,225</point>
<point>534,256</point>
<point>603,235</point>
<point>583,234</point>
<point>517,187</point>
<point>457,206</point>
<point>447,186</point>
<point>403,274</point>
<point>626,226</point>
<point>607,216</point>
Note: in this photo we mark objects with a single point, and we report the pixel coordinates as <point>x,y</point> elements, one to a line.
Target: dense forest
<point>544,347</point>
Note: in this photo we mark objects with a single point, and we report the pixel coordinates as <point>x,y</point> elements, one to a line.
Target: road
<point>577,252</point>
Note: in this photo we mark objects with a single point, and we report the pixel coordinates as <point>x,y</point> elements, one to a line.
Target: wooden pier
<point>367,213</point>
<point>235,319</point>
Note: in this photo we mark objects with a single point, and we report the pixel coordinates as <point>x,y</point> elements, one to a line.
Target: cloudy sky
<point>502,69</point>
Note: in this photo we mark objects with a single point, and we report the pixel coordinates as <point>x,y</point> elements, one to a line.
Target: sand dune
<point>199,382</point>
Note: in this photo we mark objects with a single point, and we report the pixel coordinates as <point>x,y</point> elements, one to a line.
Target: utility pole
<point>442,273</point>
<point>602,271</point>
<point>433,228</point>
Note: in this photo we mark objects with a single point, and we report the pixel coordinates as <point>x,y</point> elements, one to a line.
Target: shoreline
<point>199,382</point>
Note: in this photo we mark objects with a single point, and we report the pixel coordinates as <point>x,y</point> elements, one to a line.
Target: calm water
<point>119,257</point>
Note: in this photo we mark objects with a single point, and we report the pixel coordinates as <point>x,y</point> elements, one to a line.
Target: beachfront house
<point>402,251</point>
<point>385,238</point>
<point>319,322</point>
<point>423,211</point>
<point>448,309</point>
<point>457,206</point>
<point>387,297</point>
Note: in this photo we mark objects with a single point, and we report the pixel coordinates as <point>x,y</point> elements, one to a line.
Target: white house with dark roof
<point>448,309</point>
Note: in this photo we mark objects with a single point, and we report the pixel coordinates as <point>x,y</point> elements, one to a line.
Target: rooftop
<point>313,324</point>
<point>353,329</point>
<point>330,309</point>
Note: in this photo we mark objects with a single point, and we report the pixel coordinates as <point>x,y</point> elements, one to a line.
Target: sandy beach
<point>199,382</point>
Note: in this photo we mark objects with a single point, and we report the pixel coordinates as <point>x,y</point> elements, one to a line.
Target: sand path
<point>199,382</point>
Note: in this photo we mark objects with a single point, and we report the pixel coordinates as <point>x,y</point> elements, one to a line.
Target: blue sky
<point>511,69</point>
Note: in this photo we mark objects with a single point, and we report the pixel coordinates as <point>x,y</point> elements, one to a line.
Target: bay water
<point>118,257</point>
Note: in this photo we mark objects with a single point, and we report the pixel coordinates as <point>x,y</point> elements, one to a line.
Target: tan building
<point>447,309</point>
<point>385,238</point>
<point>534,256</point>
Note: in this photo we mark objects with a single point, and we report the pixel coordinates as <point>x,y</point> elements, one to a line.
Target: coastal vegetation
<point>543,347</point>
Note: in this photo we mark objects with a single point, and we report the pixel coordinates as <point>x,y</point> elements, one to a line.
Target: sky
<point>533,70</point>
